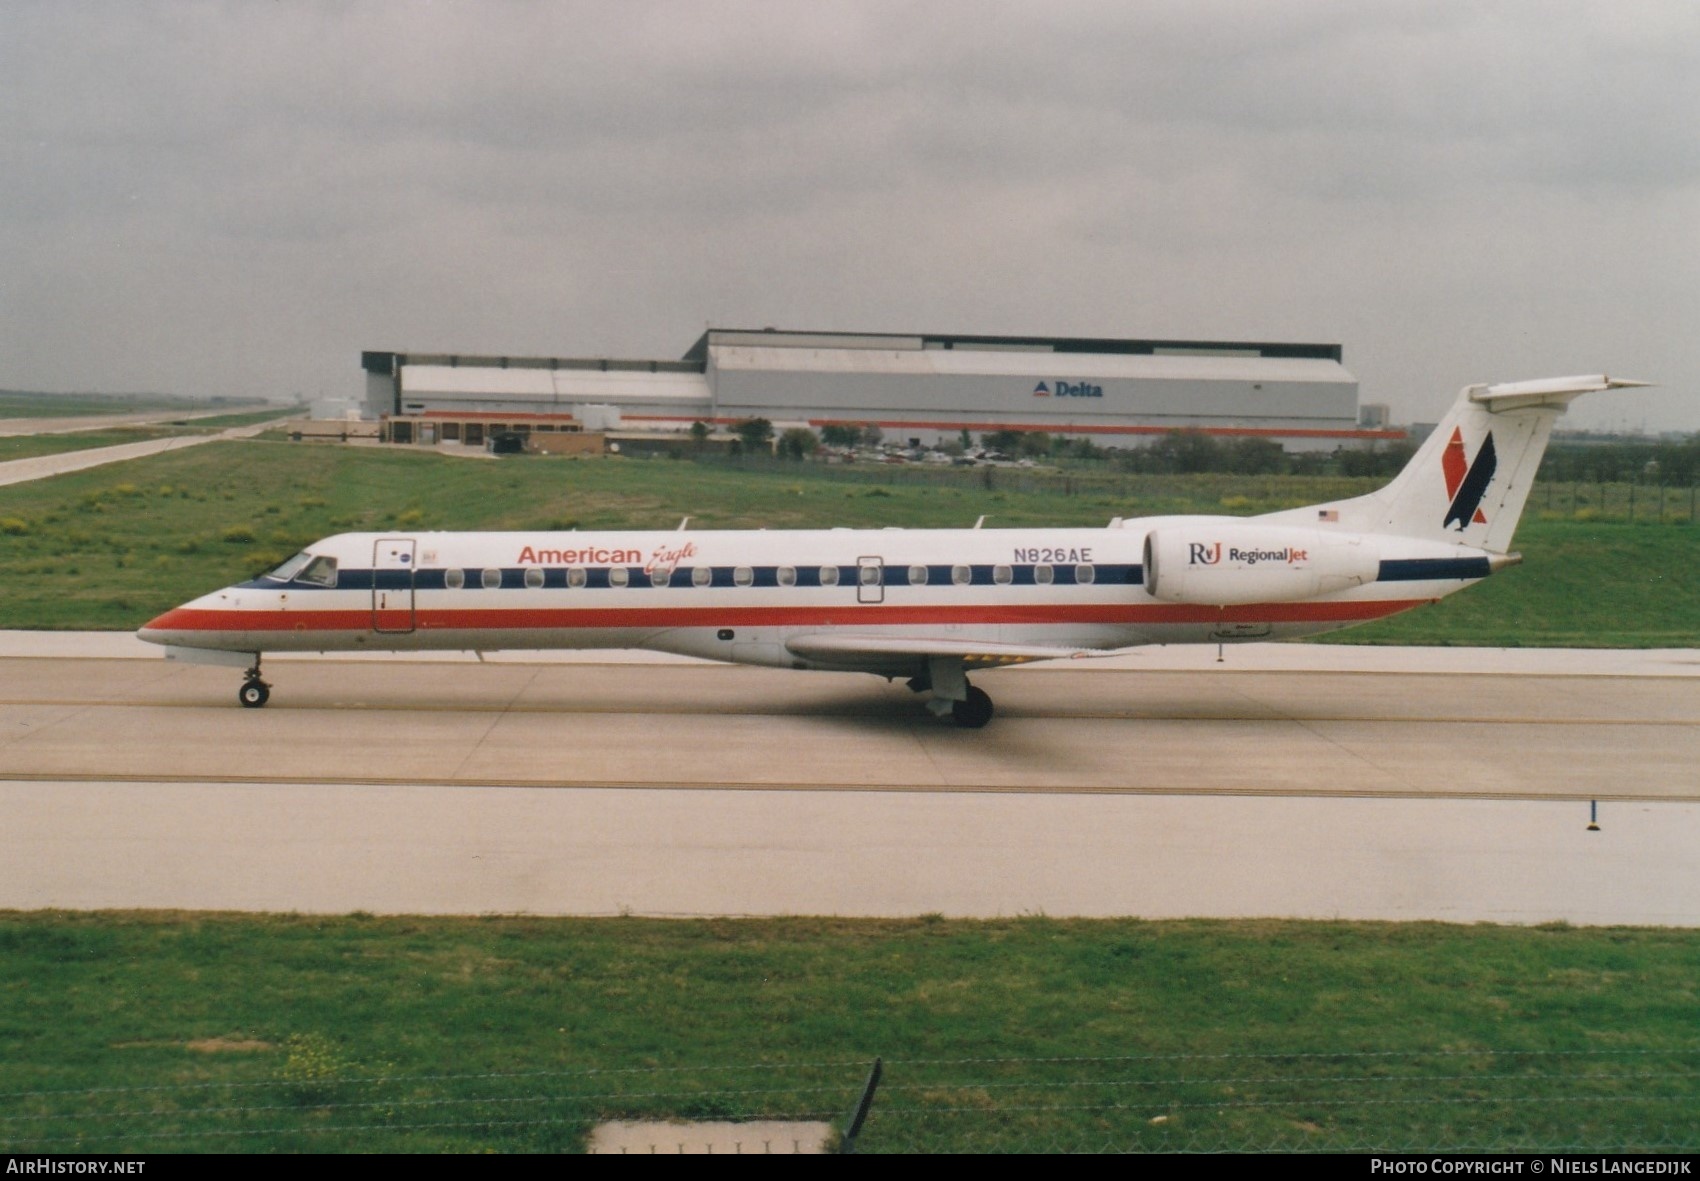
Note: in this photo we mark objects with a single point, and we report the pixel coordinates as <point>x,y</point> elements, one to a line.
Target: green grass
<point>114,546</point>
<point>341,1034</point>
<point>1582,584</point>
<point>336,1034</point>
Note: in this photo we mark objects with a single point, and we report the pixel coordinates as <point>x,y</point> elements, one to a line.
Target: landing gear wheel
<point>254,694</point>
<point>973,713</point>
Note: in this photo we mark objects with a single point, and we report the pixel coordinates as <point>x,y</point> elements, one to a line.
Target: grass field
<point>187,1032</point>
<point>113,546</point>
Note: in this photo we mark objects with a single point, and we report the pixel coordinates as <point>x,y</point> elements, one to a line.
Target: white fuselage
<point>744,595</point>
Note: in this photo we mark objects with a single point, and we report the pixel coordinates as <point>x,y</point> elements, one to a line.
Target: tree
<point>798,443</point>
<point>1253,456</point>
<point>841,434</point>
<point>1008,442</point>
<point>871,435</point>
<point>699,434</point>
<point>1187,451</point>
<point>756,434</point>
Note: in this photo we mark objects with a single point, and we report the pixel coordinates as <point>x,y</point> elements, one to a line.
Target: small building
<point>555,434</point>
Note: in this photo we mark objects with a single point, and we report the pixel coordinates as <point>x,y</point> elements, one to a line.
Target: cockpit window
<point>321,571</point>
<point>290,568</point>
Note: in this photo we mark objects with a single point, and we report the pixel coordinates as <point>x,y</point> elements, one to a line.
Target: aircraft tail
<point>1469,480</point>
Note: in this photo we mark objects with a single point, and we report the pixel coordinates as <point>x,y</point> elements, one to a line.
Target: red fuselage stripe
<point>541,618</point>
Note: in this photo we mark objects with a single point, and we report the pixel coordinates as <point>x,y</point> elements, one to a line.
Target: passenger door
<point>392,585</point>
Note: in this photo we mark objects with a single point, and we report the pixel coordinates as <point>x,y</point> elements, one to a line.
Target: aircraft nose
<point>162,629</point>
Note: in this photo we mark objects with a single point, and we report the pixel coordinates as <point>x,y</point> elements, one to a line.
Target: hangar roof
<point>906,342</point>
<point>1000,363</point>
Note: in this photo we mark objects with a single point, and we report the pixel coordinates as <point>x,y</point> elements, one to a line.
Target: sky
<point>240,197</point>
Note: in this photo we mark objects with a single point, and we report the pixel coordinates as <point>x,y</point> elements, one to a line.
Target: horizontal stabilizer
<point>1549,391</point>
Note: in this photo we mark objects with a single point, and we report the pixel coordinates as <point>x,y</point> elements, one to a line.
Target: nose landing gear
<point>254,692</point>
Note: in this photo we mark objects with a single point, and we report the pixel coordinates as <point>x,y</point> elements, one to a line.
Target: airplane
<point>928,605</point>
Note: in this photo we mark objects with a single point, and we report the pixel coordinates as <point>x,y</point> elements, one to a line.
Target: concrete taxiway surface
<point>679,788</point>
<point>39,467</point>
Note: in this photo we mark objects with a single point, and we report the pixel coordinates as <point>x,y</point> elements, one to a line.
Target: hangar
<point>922,388</point>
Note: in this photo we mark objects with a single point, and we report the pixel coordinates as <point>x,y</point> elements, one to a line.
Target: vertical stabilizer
<point>1469,480</point>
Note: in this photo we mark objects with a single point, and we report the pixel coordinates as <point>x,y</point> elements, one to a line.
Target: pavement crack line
<point>1314,731</point>
<point>495,720</point>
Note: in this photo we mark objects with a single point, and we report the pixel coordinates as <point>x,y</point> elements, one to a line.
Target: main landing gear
<point>973,711</point>
<point>968,707</point>
<point>254,692</point>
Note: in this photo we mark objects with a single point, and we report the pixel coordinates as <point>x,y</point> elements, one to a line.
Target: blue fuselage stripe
<point>894,575</point>
<point>1431,569</point>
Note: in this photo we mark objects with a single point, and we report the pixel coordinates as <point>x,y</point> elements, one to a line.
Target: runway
<point>679,788</point>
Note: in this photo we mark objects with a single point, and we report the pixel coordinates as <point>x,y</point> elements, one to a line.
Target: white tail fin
<point>1468,481</point>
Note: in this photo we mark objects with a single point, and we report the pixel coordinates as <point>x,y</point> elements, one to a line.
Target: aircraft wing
<point>879,651</point>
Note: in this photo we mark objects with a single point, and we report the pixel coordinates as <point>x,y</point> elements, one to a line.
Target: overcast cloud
<point>239,197</point>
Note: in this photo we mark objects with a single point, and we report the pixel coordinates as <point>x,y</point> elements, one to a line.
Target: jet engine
<point>1223,565</point>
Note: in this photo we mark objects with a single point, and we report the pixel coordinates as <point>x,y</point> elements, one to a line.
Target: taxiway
<point>1176,787</point>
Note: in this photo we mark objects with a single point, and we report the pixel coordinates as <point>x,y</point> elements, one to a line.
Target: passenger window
<point>829,575</point>
<point>575,575</point>
<point>618,576</point>
<point>961,575</point>
<point>491,579</point>
<point>319,572</point>
<point>454,579</point>
<point>868,575</point>
<point>1084,574</point>
<point>917,576</point>
<point>701,575</point>
<point>786,576</point>
<point>1042,575</point>
<point>743,576</point>
<point>660,577</point>
<point>534,578</point>
<point>1003,575</point>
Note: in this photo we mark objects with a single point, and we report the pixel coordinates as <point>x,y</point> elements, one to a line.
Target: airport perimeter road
<point>583,788</point>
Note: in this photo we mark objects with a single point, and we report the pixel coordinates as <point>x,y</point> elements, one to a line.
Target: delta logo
<point>1069,389</point>
<point>1210,554</point>
<point>1466,480</point>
